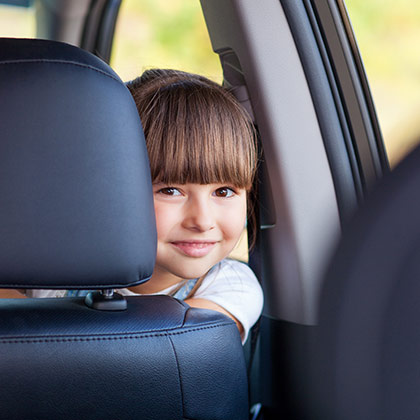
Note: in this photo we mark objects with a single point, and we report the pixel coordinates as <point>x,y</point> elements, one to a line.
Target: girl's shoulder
<point>230,272</point>
<point>229,266</point>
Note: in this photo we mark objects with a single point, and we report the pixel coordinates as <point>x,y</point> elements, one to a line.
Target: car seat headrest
<point>76,199</point>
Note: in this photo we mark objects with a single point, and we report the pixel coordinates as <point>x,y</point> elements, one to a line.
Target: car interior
<point>336,252</point>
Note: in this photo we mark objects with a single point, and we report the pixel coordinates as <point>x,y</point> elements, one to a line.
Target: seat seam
<point>153,331</point>
<point>72,63</point>
<point>107,337</point>
<point>179,375</point>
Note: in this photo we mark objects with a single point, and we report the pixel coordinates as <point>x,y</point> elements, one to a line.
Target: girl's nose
<point>199,215</point>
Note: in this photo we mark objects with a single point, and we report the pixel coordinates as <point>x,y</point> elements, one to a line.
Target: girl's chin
<point>194,271</point>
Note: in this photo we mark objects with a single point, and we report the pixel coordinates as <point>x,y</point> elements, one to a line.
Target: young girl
<point>203,160</point>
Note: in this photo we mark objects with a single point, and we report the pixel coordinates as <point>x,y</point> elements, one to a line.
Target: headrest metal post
<point>106,300</point>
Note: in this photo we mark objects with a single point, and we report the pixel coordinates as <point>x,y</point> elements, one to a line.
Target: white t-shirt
<point>230,284</point>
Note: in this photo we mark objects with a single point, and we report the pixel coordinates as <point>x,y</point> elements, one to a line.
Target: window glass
<point>17,22</point>
<point>387,33</point>
<point>165,34</point>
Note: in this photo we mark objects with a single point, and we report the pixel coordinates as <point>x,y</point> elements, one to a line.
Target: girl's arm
<point>208,304</point>
<point>231,288</point>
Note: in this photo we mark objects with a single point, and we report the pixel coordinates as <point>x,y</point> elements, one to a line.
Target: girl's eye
<point>169,191</point>
<point>224,192</point>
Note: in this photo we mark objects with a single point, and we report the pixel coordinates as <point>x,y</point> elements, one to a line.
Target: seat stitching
<point>179,375</point>
<point>133,336</point>
<point>72,63</point>
<point>174,329</point>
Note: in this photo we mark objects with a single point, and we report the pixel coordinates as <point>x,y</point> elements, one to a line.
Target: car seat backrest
<point>77,212</point>
<point>366,361</point>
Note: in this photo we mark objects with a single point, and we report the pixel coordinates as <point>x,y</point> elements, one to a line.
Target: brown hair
<point>195,130</point>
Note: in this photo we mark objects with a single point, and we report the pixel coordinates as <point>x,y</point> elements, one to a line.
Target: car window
<point>387,36</point>
<point>165,34</point>
<point>17,22</point>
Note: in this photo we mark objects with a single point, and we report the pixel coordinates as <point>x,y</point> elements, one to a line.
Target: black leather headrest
<point>76,202</point>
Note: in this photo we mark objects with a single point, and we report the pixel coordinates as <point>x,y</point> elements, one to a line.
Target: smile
<point>195,249</point>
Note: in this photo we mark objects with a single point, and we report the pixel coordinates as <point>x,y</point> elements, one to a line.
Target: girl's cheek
<point>161,219</point>
<point>237,221</point>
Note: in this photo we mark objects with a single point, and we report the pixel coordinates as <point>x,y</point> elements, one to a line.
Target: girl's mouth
<point>194,249</point>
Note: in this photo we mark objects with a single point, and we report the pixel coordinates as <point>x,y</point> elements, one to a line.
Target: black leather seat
<point>367,363</point>
<point>77,212</point>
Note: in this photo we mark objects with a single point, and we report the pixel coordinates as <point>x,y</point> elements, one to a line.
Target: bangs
<point>197,135</point>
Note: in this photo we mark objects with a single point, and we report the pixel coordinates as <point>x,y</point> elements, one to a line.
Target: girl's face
<point>197,226</point>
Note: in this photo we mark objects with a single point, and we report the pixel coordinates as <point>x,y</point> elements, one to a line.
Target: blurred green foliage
<point>17,22</point>
<point>388,34</point>
<point>162,33</point>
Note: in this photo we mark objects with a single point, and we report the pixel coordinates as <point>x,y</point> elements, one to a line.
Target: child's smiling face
<point>197,226</point>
